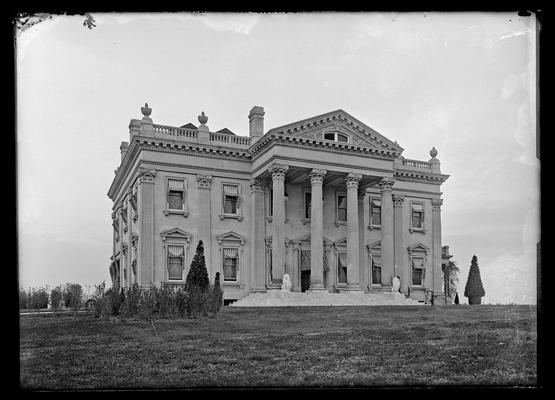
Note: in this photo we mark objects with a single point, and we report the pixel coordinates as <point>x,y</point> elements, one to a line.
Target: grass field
<point>303,346</point>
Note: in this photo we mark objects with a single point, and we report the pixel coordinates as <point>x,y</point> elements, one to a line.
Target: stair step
<point>278,298</point>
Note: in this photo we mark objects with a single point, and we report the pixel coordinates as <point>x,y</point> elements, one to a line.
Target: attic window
<point>337,137</point>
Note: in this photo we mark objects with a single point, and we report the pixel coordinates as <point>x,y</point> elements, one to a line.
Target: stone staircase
<point>278,298</point>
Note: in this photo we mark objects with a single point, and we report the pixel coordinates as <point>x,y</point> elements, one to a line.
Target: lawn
<point>301,346</point>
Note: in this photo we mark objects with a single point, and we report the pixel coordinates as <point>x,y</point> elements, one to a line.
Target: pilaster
<point>145,223</point>
<point>401,261</point>
<point>437,283</point>
<point>258,268</point>
<point>204,183</point>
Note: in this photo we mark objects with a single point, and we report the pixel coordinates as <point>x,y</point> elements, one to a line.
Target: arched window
<point>336,137</point>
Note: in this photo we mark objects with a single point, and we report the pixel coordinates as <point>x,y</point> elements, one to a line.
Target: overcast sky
<point>464,83</point>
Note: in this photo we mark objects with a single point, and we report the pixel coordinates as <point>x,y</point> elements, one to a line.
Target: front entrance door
<point>305,280</point>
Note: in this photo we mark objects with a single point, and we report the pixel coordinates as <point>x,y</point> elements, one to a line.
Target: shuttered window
<point>418,271</point>
<point>376,270</point>
<point>231,259</point>
<point>231,199</point>
<point>375,212</point>
<point>417,215</point>
<point>342,267</point>
<point>342,208</point>
<point>175,262</point>
<point>176,194</point>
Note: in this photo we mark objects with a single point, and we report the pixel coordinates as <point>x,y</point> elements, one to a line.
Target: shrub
<point>130,306</point>
<point>147,304</point>
<point>216,295</point>
<point>37,298</point>
<point>474,289</point>
<point>98,296</point>
<point>22,298</point>
<point>197,284</point>
<point>166,302</point>
<point>72,296</point>
<point>56,298</point>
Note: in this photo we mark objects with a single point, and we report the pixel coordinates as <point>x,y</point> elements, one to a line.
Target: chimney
<point>123,148</point>
<point>256,123</point>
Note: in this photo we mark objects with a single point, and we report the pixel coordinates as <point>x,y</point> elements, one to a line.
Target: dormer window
<point>337,137</point>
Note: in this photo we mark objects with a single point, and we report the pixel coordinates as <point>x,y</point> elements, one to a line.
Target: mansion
<point>326,200</point>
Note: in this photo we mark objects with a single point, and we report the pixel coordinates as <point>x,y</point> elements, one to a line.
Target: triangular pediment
<point>176,233</point>
<point>418,248</point>
<point>341,242</point>
<point>306,239</point>
<point>231,236</point>
<point>343,123</point>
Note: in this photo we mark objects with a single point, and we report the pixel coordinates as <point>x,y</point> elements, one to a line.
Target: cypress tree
<point>197,284</point>
<point>217,293</point>
<point>198,275</point>
<point>474,289</point>
<point>457,298</point>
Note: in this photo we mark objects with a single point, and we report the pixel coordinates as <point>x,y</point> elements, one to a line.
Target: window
<point>342,267</point>
<point>337,137</point>
<point>176,194</point>
<point>176,256</point>
<point>375,212</point>
<point>231,199</point>
<point>307,203</point>
<point>230,263</point>
<point>376,270</point>
<point>341,208</point>
<point>418,271</point>
<point>417,219</point>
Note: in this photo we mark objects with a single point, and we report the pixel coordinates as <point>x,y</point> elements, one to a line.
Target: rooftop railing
<point>192,135</point>
<point>173,131</point>
<point>417,164</point>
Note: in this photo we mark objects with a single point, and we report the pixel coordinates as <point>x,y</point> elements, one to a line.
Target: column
<point>353,254</point>
<point>316,231</point>
<point>387,240</point>
<point>145,261</point>
<point>257,244</point>
<point>278,172</point>
<point>401,260</point>
<point>204,183</point>
<point>437,282</point>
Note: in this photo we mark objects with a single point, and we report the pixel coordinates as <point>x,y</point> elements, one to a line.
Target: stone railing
<point>219,137</point>
<point>416,164</point>
<point>173,131</point>
<point>195,136</point>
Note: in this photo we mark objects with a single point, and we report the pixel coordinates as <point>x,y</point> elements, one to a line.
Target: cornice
<point>420,176</point>
<point>264,144</point>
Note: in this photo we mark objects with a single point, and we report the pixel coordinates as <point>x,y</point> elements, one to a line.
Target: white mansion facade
<point>327,200</point>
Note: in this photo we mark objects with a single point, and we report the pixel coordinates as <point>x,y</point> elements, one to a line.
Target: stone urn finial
<point>433,152</point>
<point>203,119</point>
<point>146,110</point>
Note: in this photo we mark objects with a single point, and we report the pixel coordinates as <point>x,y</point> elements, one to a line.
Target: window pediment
<point>375,247</point>
<point>341,242</point>
<point>418,248</point>
<point>176,233</point>
<point>231,237</point>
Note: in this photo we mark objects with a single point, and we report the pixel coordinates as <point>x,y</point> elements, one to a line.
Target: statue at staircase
<point>286,285</point>
<point>396,284</point>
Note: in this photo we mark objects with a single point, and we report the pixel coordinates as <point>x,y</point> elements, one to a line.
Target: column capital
<point>352,180</point>
<point>256,185</point>
<point>146,175</point>
<point>317,176</point>
<point>436,204</point>
<point>204,181</point>
<point>398,200</point>
<point>386,184</point>
<point>278,171</point>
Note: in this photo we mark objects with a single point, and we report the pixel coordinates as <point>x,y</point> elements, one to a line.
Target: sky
<point>464,83</point>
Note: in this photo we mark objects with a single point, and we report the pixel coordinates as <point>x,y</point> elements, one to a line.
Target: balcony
<point>415,165</point>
